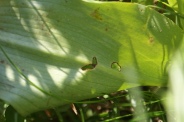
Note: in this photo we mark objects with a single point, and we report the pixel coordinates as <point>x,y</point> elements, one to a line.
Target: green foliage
<point>46,52</point>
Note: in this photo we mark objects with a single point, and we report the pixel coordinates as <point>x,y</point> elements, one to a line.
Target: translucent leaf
<point>44,44</point>
<point>176,86</point>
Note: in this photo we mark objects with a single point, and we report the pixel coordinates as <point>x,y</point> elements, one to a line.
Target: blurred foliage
<point>116,107</point>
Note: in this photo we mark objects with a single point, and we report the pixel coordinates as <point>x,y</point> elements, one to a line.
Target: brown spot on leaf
<point>58,21</point>
<point>96,14</point>
<point>2,61</point>
<point>106,29</point>
<point>2,28</point>
<point>151,40</point>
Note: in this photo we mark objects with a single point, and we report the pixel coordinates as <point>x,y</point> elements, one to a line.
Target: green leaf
<point>44,44</point>
<point>173,4</point>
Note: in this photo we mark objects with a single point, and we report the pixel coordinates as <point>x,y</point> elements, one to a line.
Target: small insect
<point>90,66</point>
<point>115,65</point>
<point>94,61</point>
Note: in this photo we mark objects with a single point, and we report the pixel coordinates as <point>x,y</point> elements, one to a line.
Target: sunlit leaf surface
<point>44,44</point>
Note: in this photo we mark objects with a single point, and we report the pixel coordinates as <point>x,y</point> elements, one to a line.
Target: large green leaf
<point>44,45</point>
